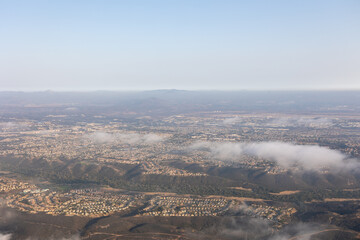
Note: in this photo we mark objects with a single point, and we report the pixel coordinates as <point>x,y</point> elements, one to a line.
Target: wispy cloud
<point>299,231</point>
<point>246,227</point>
<point>253,228</point>
<point>306,157</point>
<point>7,219</point>
<point>233,120</point>
<point>101,137</point>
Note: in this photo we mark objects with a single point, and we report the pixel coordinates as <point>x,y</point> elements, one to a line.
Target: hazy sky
<point>187,44</point>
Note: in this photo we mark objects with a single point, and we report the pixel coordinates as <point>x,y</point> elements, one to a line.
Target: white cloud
<point>101,137</point>
<point>306,157</point>
<point>152,138</point>
<point>299,231</point>
<point>246,227</point>
<point>229,121</point>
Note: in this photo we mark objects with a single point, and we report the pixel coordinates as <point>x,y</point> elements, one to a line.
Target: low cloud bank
<point>286,155</point>
<point>130,138</point>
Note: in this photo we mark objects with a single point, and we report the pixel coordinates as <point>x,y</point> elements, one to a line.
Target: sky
<point>87,45</point>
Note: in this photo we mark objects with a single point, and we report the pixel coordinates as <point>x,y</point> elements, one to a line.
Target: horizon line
<point>184,90</point>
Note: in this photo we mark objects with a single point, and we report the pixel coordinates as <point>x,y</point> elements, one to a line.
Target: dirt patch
<point>241,188</point>
<point>340,199</point>
<point>285,193</point>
